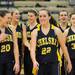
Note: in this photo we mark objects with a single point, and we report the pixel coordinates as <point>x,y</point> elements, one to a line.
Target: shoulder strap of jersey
<point>20,25</point>
<point>69,30</point>
<point>38,27</point>
<point>58,24</point>
<point>9,30</point>
<point>52,26</point>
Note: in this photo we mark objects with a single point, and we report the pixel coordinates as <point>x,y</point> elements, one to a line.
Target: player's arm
<point>62,41</point>
<point>25,41</point>
<point>33,48</point>
<point>61,52</point>
<point>16,52</point>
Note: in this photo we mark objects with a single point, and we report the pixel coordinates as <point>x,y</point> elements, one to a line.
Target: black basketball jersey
<point>71,43</point>
<point>30,30</point>
<point>62,29</point>
<point>47,46</point>
<point>19,36</point>
<point>6,47</point>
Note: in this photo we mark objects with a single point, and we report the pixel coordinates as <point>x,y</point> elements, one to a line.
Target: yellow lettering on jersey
<point>71,38</point>
<point>2,48</point>
<point>46,41</point>
<point>19,35</point>
<point>5,48</point>
<point>8,38</point>
<point>52,41</point>
<point>73,45</point>
<point>43,51</point>
<point>46,50</point>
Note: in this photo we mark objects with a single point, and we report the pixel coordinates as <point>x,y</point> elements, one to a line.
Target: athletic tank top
<point>6,47</point>
<point>62,29</point>
<point>71,43</point>
<point>30,30</point>
<point>19,37</point>
<point>47,46</point>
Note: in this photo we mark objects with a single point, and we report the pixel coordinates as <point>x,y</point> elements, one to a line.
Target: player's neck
<point>33,23</point>
<point>46,25</point>
<point>73,27</point>
<point>14,23</point>
<point>63,24</point>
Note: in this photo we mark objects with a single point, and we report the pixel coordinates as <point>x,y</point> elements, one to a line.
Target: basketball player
<point>44,47</point>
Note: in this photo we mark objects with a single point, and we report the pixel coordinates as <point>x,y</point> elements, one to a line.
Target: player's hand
<point>35,68</point>
<point>16,68</point>
<point>69,67</point>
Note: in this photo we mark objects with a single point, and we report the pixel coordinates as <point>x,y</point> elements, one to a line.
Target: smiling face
<point>5,20</point>
<point>43,17</point>
<point>31,17</point>
<point>63,16</point>
<point>16,15</point>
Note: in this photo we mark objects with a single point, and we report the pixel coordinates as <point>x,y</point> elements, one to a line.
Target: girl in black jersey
<point>21,33</point>
<point>69,36</point>
<point>63,25</point>
<point>44,47</point>
<point>9,55</point>
<point>63,20</point>
<point>30,26</point>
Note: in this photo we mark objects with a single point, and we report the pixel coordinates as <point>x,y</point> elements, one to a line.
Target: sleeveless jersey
<point>47,46</point>
<point>6,47</point>
<point>62,29</point>
<point>19,37</point>
<point>29,31</point>
<point>71,43</point>
<point>27,52</point>
<point>63,60</point>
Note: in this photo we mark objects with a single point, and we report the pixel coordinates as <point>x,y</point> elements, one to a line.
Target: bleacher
<point>53,6</point>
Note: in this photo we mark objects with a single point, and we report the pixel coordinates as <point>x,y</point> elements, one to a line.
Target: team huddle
<point>45,46</point>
